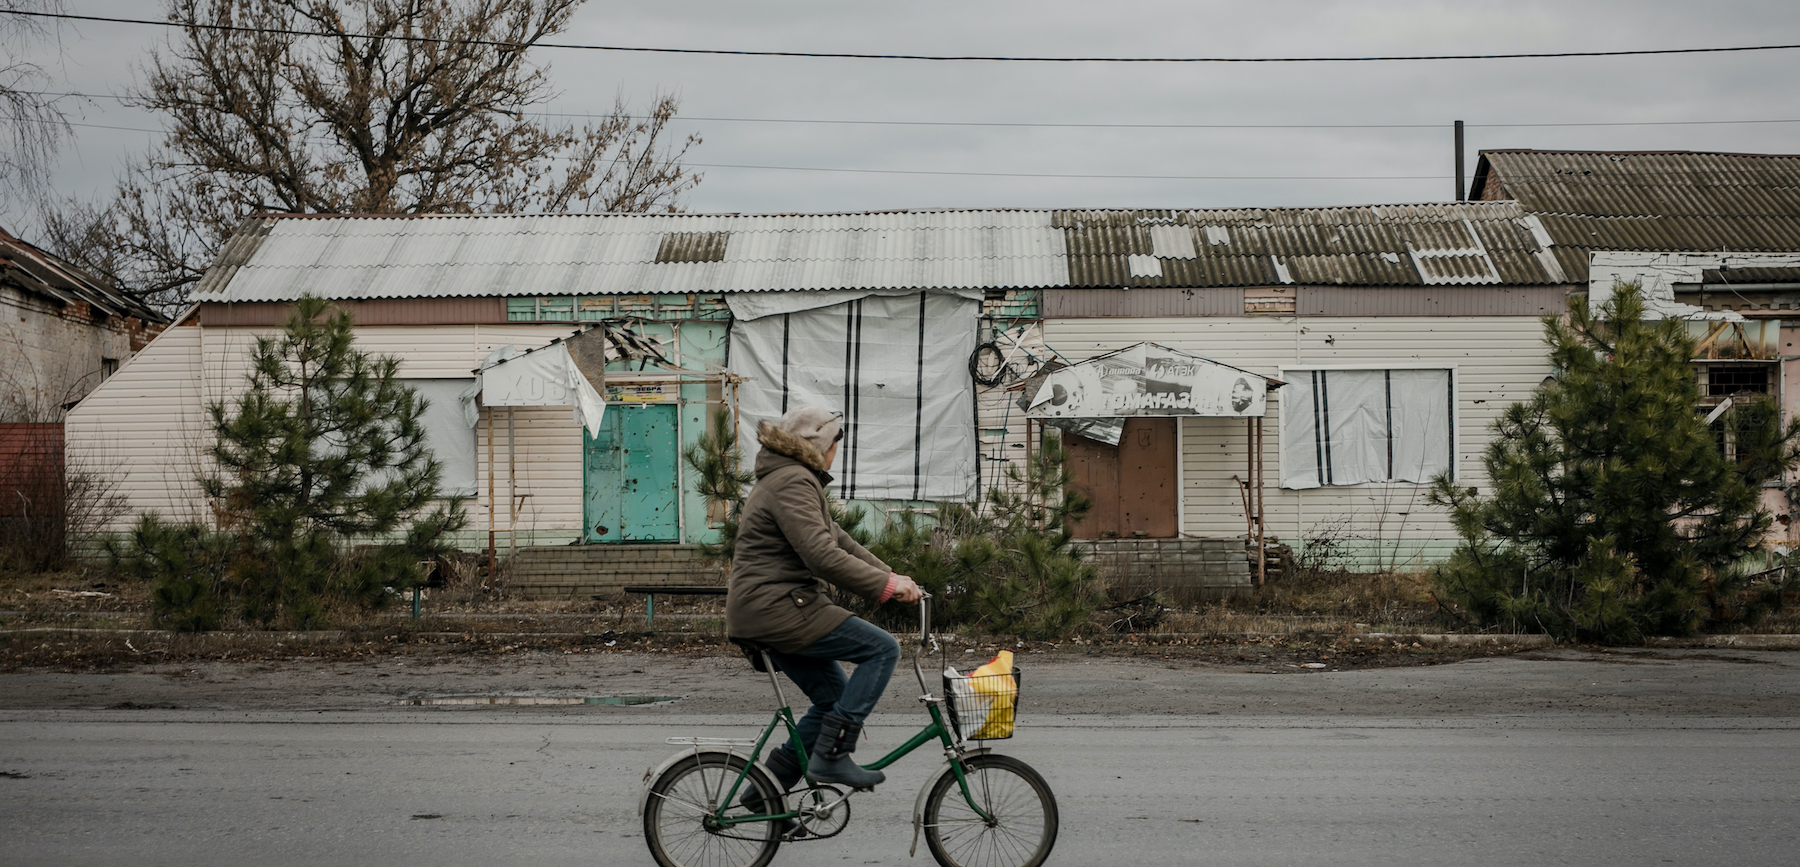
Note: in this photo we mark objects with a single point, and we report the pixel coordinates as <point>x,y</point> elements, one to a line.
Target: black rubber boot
<point>831,762</point>
<point>784,766</point>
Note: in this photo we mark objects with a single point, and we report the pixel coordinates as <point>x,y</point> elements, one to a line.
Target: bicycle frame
<point>784,716</point>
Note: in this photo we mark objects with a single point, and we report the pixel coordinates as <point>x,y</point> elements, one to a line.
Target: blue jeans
<point>816,671</point>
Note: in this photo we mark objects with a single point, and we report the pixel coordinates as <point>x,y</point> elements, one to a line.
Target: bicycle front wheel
<point>679,823</point>
<point>1023,823</point>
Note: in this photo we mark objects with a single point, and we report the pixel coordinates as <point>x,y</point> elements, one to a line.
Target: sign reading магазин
<point>1150,380</point>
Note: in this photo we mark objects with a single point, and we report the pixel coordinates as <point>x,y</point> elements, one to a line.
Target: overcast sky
<point>1266,166</point>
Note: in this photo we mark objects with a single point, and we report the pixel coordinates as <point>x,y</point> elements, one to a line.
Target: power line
<point>840,55</point>
<point>1616,179</point>
<point>1077,177</point>
<point>1075,125</point>
<point>1065,125</point>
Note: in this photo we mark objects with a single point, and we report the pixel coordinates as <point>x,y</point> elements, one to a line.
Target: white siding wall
<point>146,428</point>
<point>148,422</point>
<point>1498,361</point>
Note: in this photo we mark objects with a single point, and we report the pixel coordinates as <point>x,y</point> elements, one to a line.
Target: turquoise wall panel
<point>702,346</point>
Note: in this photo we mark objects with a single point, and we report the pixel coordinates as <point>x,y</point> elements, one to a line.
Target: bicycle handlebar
<point>925,640</point>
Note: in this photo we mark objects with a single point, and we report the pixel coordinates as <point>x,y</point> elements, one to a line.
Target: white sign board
<point>1150,380</point>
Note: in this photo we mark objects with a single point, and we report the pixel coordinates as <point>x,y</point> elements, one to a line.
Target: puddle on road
<point>615,700</point>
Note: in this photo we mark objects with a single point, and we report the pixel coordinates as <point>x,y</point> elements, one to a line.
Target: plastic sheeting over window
<point>896,366</point>
<point>1348,427</point>
<point>448,434</point>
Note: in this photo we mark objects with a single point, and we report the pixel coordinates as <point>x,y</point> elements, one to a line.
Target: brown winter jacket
<point>788,548</point>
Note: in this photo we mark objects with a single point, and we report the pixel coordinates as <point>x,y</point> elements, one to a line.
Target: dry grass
<point>1305,602</point>
<point>81,597</point>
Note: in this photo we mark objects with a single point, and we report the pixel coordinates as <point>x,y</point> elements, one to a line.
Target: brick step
<point>580,571</point>
<point>1187,570</point>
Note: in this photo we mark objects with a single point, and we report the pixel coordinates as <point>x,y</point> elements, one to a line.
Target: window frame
<point>1286,374</point>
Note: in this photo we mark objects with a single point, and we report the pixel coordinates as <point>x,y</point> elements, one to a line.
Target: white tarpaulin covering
<point>1148,379</point>
<point>537,377</point>
<point>1347,427</point>
<point>896,366</point>
<point>448,434</point>
<point>756,305</point>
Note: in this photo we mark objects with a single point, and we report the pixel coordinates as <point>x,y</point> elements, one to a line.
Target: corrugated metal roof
<point>275,258</point>
<point>1458,243</point>
<point>278,258</point>
<point>1677,201</point>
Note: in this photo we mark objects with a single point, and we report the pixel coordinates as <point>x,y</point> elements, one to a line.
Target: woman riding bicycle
<point>787,554</point>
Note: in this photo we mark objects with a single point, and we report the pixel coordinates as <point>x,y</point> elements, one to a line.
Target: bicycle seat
<point>753,651</point>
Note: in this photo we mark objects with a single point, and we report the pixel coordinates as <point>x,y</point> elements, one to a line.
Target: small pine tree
<point>1007,567</point>
<point>324,475</point>
<point>1614,512</point>
<point>720,478</point>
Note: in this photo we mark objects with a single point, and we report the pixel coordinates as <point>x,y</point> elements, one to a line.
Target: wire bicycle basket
<point>983,707</point>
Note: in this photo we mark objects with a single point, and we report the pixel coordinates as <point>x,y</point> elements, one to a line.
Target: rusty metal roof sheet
<point>275,258</point>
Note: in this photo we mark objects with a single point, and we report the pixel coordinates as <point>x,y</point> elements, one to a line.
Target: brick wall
<point>1184,570</point>
<point>580,571</point>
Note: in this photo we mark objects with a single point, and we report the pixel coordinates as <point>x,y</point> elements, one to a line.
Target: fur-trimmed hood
<point>783,443</point>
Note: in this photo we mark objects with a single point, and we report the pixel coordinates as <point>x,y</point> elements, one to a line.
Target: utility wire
<point>841,55</point>
<point>1077,177</point>
<point>1608,178</point>
<point>1073,125</point>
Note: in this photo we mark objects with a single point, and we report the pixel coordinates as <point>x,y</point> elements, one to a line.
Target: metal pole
<point>491,505</point>
<point>1030,454</point>
<point>1460,194</point>
<point>1262,534</point>
<point>512,487</point>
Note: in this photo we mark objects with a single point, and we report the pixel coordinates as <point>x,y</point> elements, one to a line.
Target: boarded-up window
<point>1348,427</point>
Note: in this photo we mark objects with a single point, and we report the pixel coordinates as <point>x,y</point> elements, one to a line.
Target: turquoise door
<point>632,484</point>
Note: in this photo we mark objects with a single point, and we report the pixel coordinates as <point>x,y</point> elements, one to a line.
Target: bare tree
<point>364,106</point>
<point>35,125</point>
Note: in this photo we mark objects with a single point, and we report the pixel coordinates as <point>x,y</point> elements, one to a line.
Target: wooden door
<point>1133,484</point>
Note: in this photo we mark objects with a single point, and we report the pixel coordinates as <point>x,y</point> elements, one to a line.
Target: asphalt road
<point>1562,758</point>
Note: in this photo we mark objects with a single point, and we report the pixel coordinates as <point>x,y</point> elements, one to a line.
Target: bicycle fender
<point>924,792</point>
<point>651,775</point>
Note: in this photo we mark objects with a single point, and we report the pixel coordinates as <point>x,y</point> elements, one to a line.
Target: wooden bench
<point>650,591</point>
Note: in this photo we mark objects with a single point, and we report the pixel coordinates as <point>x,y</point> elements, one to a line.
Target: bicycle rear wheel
<point>678,818</point>
<point>1024,825</point>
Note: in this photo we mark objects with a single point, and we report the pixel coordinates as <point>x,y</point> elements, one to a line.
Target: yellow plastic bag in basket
<point>986,699</point>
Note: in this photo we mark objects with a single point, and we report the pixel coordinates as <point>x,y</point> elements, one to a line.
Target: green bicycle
<point>981,810</point>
